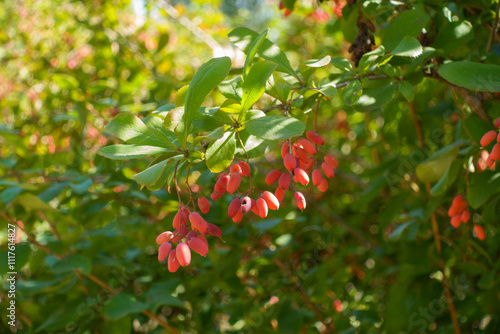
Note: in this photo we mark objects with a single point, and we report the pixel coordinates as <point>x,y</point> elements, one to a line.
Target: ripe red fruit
<point>234,207</point>
<point>308,165</point>
<point>254,207</point>
<point>164,250</point>
<point>282,5</point>
<point>280,193</point>
<point>245,168</point>
<point>498,138</point>
<point>271,200</point>
<point>221,184</point>
<point>301,175</point>
<point>488,138</point>
<point>332,161</point>
<point>173,263</point>
<point>465,216</point>
<point>457,200</point>
<point>262,207</point>
<point>285,180</point>
<point>183,254</point>
<point>177,219</point>
<point>216,195</point>
<point>337,305</point>
<point>300,200</point>
<point>273,176</point>
<point>214,230</point>
<point>456,220</point>
<point>234,183</point>
<point>323,186</point>
<point>202,238</point>
<point>289,161</point>
<point>246,204</point>
<point>316,176</point>
<point>191,234</point>
<point>235,168</point>
<point>164,237</point>
<point>478,229</point>
<point>198,246</point>
<point>495,152</point>
<point>308,146</point>
<point>301,154</point>
<point>453,210</point>
<point>287,12</point>
<point>314,137</point>
<point>204,205</point>
<point>284,149</point>
<point>238,217</point>
<point>198,223</point>
<point>327,169</point>
<point>490,162</point>
<point>497,123</point>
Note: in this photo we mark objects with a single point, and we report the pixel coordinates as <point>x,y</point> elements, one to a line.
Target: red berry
<point>177,220</point>
<point>191,234</point>
<point>214,230</point>
<point>246,204</point>
<point>284,149</point>
<point>204,205</point>
<point>289,161</point>
<point>271,200</point>
<point>202,238</point>
<point>456,220</point>
<point>327,169</point>
<point>497,123</point>
<point>234,207</point>
<point>238,217</point>
<point>300,200</point>
<point>235,168</point>
<point>285,180</point>
<point>273,176</point>
<point>332,161</point>
<point>164,250</point>
<point>245,168</point>
<point>465,216</point>
<point>198,246</point>
<point>301,175</point>
<point>453,210</point>
<point>316,138</point>
<point>234,183</point>
<point>323,186</point>
<point>287,12</point>
<point>164,237</point>
<point>490,162</point>
<point>173,263</point>
<point>216,195</point>
<point>457,200</point>
<point>498,138</point>
<point>316,176</point>
<point>478,229</point>
<point>488,138</point>
<point>262,207</point>
<point>183,254</point>
<point>221,184</point>
<point>254,207</point>
<point>198,223</point>
<point>308,146</point>
<point>280,193</point>
<point>495,152</point>
<point>301,154</point>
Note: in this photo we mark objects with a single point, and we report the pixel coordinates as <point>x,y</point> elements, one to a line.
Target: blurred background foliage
<point>361,259</point>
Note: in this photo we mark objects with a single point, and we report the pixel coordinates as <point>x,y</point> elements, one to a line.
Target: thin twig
<point>493,30</point>
<point>248,159</point>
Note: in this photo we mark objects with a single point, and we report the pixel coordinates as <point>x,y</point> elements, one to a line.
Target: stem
<point>176,185</point>
<point>493,30</point>
<point>248,162</point>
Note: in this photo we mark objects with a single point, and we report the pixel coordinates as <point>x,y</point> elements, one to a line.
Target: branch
<point>493,31</point>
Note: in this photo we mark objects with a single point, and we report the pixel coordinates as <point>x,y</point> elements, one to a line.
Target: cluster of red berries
<point>459,213</point>
<point>194,240</point>
<point>487,139</point>
<point>282,6</point>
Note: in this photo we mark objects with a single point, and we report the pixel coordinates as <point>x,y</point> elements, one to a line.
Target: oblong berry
<point>173,264</point>
<point>479,231</point>
<point>262,207</point>
<point>490,162</point>
<point>198,223</point>
<point>456,220</point>
<point>301,175</point>
<point>316,138</point>
<point>498,138</point>
<point>332,161</point>
<point>316,176</point>
<point>289,161</point>
<point>273,176</point>
<point>164,237</point>
<point>323,186</point>
<point>497,123</point>
<point>254,207</point>
<point>495,152</point>
<point>238,217</point>
<point>285,180</point>
<point>271,200</point>
<point>300,200</point>
<point>215,195</point>
<point>221,184</point>
<point>245,168</point>
<point>453,210</point>
<point>235,168</point>
<point>284,149</point>
<point>327,169</point>
<point>164,250</point>
<point>465,216</point>
<point>204,205</point>
<point>214,230</point>
<point>183,254</point>
<point>302,155</point>
<point>234,183</point>
<point>177,220</point>
<point>246,204</point>
<point>191,234</point>
<point>202,238</point>
<point>457,200</point>
<point>280,193</point>
<point>488,137</point>
<point>234,207</point>
<point>308,146</point>
<point>198,246</point>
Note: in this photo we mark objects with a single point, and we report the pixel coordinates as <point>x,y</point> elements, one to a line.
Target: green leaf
<point>180,96</point>
<point>161,294</point>
<point>151,175</point>
<point>370,60</point>
<point>328,90</point>
<point>275,127</point>
<point>252,51</point>
<point>342,64</point>
<point>407,90</point>
<point>230,106</point>
<point>481,187</point>
<point>121,152</point>
<point>243,37</point>
<point>448,178</point>
<point>65,315</point>
<point>433,168</point>
<point>65,81</point>
<point>121,305</point>
<point>70,263</point>
<point>220,153</point>
<point>477,76</point>
<point>231,89</point>
<point>376,97</point>
<point>408,47</point>
<point>318,62</point>
<point>407,23</point>
<point>132,130</point>
<point>206,78</point>
<point>398,231</point>
<point>453,36</point>
<point>255,84</point>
